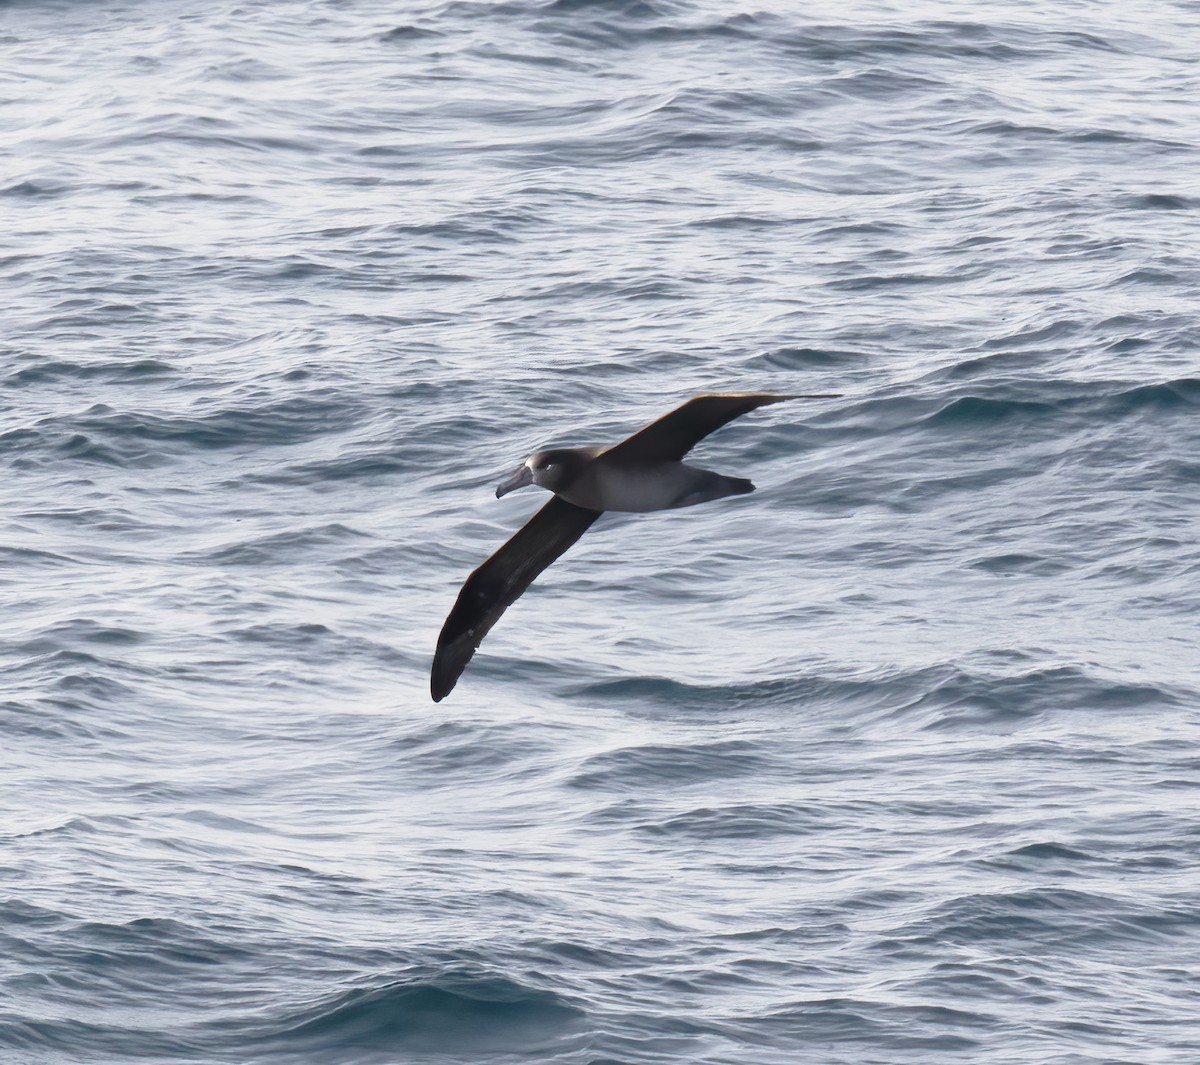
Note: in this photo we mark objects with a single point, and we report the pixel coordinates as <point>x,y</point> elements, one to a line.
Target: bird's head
<point>552,469</point>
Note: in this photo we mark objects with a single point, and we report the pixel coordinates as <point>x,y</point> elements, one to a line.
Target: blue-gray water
<point>893,761</point>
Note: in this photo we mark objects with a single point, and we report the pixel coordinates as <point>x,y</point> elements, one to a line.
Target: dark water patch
<point>476,229</point>
<point>246,69</point>
<point>218,134</point>
<point>110,519</point>
<point>77,693</point>
<point>144,439</point>
<point>301,268</point>
<point>221,822</point>
<point>639,690</point>
<point>20,439</point>
<point>69,635</point>
<point>1048,918</point>
<point>86,1041</point>
<point>978,699</point>
<point>989,981</point>
<point>426,1011</point>
<point>608,24</point>
<point>806,359</point>
<point>97,826</point>
<point>1036,335</point>
<point>632,9</point>
<point>370,466</point>
<point>1021,564</point>
<point>1147,275</point>
<point>22,721</point>
<point>32,558</point>
<point>654,766</point>
<point>318,642</point>
<point>73,680</point>
<point>866,43</point>
<point>36,190</point>
<point>741,821</point>
<point>892,231</point>
<point>283,548</point>
<point>87,316</point>
<point>1071,404</point>
<point>967,413</point>
<point>283,635</point>
<point>444,753</point>
<point>664,133</point>
<point>1039,855</point>
<point>155,941</point>
<point>742,223</point>
<point>591,956</point>
<point>1010,364</point>
<point>876,282</point>
<point>1179,394</point>
<point>840,703</point>
<point>57,371</point>
<point>598,290</point>
<point>20,913</point>
<point>80,447</point>
<point>863,1022</point>
<point>403,34</point>
<point>879,83</point>
<point>1176,470</point>
<point>1159,201</point>
<point>1007,129</point>
<point>1129,344</point>
<point>696,106</point>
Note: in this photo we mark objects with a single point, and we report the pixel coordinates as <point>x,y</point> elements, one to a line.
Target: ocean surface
<point>893,762</point>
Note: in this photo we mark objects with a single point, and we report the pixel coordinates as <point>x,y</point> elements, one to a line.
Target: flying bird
<point>642,473</point>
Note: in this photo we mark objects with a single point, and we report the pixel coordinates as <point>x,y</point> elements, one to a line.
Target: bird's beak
<point>520,479</point>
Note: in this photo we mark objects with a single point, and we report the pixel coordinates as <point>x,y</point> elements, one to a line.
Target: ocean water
<point>893,761</point>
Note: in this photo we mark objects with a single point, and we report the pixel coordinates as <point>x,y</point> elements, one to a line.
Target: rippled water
<point>893,761</point>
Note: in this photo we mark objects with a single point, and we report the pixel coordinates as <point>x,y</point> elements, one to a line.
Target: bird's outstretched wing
<point>499,582</point>
<point>675,434</point>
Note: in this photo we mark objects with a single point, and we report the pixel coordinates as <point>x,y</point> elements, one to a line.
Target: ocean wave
<point>930,698</point>
<point>891,761</point>
<point>963,698</point>
<point>656,765</point>
<point>60,371</point>
<point>748,821</point>
<point>1067,405</point>
<point>443,1011</point>
<point>283,548</point>
<point>144,439</point>
<point>1048,915</point>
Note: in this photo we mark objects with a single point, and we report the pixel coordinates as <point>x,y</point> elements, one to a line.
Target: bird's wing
<point>675,434</point>
<point>499,582</point>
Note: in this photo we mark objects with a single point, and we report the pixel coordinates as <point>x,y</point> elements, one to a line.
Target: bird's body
<point>639,489</point>
<point>642,473</point>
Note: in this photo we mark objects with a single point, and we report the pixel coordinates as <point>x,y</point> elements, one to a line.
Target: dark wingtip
<point>440,687</point>
<point>442,677</point>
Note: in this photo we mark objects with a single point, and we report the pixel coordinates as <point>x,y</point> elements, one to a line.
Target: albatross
<point>644,472</point>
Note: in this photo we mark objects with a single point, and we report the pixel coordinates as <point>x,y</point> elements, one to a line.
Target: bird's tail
<point>713,486</point>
